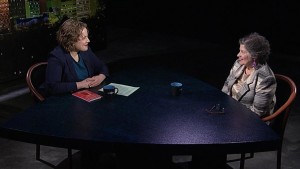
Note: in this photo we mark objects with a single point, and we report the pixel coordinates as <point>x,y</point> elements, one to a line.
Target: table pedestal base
<point>209,161</point>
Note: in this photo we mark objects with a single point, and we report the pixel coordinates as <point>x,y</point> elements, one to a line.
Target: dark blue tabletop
<point>150,117</point>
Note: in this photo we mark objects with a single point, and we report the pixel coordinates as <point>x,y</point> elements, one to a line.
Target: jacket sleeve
<point>230,78</point>
<point>58,81</point>
<point>264,93</point>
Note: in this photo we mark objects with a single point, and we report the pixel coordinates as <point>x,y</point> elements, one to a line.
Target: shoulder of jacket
<point>265,71</point>
<point>58,54</point>
<point>266,75</point>
<point>236,65</point>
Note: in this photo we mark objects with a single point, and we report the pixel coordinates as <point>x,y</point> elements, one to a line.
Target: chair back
<point>35,77</point>
<point>285,95</point>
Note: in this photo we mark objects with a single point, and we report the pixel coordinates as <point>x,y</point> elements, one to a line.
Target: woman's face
<point>244,57</point>
<point>83,41</point>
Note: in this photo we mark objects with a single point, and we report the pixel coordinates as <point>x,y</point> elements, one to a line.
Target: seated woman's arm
<point>57,80</point>
<point>264,96</point>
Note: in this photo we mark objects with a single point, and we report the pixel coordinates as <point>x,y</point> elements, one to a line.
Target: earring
<point>254,63</point>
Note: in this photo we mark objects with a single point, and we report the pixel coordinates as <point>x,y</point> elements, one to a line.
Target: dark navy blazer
<point>61,76</point>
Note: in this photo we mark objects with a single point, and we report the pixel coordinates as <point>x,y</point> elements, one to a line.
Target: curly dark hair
<point>69,33</point>
<point>258,46</point>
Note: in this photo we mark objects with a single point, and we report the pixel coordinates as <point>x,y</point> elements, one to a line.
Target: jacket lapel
<point>71,66</point>
<point>246,86</point>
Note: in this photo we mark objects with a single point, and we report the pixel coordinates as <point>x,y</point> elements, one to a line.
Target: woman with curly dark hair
<point>251,81</point>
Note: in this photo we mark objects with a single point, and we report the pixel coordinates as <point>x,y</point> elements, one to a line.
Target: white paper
<point>124,90</point>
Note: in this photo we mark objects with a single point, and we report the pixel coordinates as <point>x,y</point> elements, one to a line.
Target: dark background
<point>218,22</point>
<point>214,20</point>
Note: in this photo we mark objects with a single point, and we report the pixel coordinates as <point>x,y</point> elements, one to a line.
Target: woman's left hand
<point>96,80</point>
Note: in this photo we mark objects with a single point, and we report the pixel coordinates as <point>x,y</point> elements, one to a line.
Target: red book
<point>87,95</point>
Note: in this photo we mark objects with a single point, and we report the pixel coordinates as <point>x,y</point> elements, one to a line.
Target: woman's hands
<point>91,81</point>
<point>95,80</point>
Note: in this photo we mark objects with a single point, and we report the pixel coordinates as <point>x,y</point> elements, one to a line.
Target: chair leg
<point>37,152</point>
<point>251,155</point>
<point>70,157</point>
<point>279,158</point>
<point>242,162</point>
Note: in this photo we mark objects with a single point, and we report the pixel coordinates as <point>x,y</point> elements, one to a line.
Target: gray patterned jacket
<point>258,92</point>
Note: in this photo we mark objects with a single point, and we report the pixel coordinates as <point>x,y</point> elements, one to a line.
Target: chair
<point>34,78</point>
<point>285,94</point>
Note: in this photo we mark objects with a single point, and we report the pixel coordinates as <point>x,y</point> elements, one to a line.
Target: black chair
<point>35,77</point>
<point>285,96</point>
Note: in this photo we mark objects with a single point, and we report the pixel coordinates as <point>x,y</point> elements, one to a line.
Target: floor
<point>124,43</point>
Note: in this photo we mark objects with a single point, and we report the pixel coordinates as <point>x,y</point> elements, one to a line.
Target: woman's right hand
<point>84,84</point>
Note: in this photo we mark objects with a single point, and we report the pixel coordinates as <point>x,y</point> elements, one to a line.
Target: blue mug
<point>110,90</point>
<point>176,88</point>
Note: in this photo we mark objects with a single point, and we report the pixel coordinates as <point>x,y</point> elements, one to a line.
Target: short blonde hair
<point>69,33</point>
